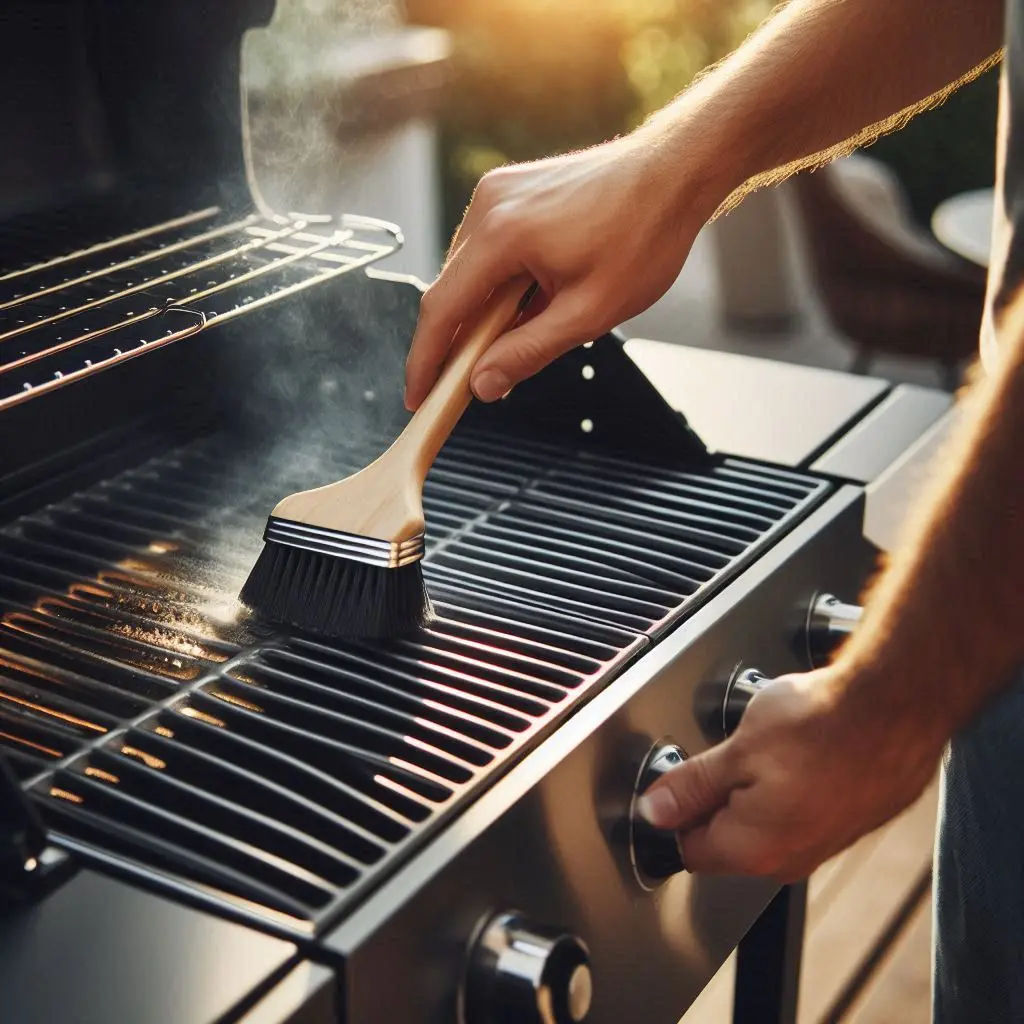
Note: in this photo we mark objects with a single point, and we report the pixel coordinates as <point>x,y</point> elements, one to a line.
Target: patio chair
<point>888,285</point>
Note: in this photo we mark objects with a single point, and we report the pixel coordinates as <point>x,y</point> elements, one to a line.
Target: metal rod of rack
<point>119,356</point>
<point>34,357</point>
<point>112,243</point>
<point>316,249</point>
<point>134,261</point>
<point>172,275</point>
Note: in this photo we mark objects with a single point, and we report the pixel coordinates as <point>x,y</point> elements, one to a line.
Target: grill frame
<point>399,853</point>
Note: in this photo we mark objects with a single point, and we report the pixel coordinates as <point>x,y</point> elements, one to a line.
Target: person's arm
<point>605,231</point>
<point>821,759</point>
<point>822,77</point>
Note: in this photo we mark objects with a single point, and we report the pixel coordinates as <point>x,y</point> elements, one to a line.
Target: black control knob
<point>520,973</point>
<point>829,623</point>
<point>655,852</point>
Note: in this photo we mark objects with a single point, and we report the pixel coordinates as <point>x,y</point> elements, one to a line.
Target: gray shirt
<point>1006,266</point>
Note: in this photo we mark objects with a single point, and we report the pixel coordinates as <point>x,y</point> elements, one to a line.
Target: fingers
<point>479,207</point>
<point>463,286</point>
<point>528,348</point>
<point>729,846</point>
<point>724,846</point>
<point>689,795</point>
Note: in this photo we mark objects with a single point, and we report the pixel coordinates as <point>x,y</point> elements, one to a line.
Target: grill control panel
<point>522,973</point>
<point>655,852</point>
<point>555,840</point>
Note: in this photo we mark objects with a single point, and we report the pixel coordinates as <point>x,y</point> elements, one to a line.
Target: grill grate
<point>280,774</point>
<point>67,317</point>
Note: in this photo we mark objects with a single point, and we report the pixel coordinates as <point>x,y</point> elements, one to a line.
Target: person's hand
<point>603,232</point>
<point>808,771</point>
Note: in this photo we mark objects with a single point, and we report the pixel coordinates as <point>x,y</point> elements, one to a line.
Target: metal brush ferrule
<point>337,544</point>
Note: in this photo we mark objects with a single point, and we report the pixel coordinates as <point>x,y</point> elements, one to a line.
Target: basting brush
<point>344,560</point>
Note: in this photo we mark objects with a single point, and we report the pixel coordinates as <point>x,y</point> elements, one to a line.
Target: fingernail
<point>659,807</point>
<point>490,385</point>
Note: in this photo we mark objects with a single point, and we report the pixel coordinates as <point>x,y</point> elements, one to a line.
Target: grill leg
<point>768,961</point>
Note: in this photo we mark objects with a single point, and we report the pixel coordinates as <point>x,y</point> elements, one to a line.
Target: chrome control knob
<point>740,692</point>
<point>829,623</point>
<point>520,973</point>
<point>655,852</point>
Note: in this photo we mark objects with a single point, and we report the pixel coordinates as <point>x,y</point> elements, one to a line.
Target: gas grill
<point>206,820</point>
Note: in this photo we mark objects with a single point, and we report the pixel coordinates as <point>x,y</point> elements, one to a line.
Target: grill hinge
<point>29,866</point>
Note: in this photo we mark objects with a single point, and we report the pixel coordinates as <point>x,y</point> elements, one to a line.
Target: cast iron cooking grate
<point>67,317</point>
<point>281,775</point>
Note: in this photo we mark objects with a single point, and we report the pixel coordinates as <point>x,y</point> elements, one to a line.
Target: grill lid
<point>107,98</point>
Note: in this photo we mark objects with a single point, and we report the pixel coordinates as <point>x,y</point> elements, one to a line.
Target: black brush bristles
<point>333,596</point>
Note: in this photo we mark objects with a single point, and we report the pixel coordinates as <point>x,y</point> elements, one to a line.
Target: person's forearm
<point>817,75</point>
<point>944,624</point>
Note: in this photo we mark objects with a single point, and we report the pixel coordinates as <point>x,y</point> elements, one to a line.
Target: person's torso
<point>1006,265</point>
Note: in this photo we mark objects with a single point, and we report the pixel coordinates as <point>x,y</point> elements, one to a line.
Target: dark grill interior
<point>282,774</point>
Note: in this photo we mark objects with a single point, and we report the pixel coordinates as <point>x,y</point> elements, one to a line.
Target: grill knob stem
<point>521,973</point>
<point>741,691</point>
<point>655,852</point>
<point>829,623</point>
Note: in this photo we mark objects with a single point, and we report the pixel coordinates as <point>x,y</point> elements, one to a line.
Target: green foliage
<point>536,77</point>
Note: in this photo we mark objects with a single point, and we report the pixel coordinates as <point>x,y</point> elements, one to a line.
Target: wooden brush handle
<point>441,410</point>
<point>384,501</point>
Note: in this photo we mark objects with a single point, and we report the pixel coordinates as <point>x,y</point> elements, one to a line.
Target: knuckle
<point>693,784</point>
<point>526,357</point>
<point>502,223</point>
<point>489,187</point>
<point>428,302</point>
<point>700,778</point>
<point>597,309</point>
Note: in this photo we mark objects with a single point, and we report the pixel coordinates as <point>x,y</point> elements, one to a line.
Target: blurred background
<point>396,109</point>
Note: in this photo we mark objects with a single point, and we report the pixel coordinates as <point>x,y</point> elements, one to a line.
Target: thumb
<point>689,794</point>
<point>529,347</point>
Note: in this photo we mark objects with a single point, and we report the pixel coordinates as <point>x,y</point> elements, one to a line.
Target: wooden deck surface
<point>868,934</point>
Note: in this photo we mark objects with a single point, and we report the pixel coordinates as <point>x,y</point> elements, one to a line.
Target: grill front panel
<point>281,775</point>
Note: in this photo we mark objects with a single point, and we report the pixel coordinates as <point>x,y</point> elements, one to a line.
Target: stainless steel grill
<point>455,809</point>
<point>280,774</point>
<point>70,316</point>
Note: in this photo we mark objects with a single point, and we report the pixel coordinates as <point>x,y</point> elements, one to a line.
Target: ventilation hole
<point>587,426</point>
<point>588,372</point>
